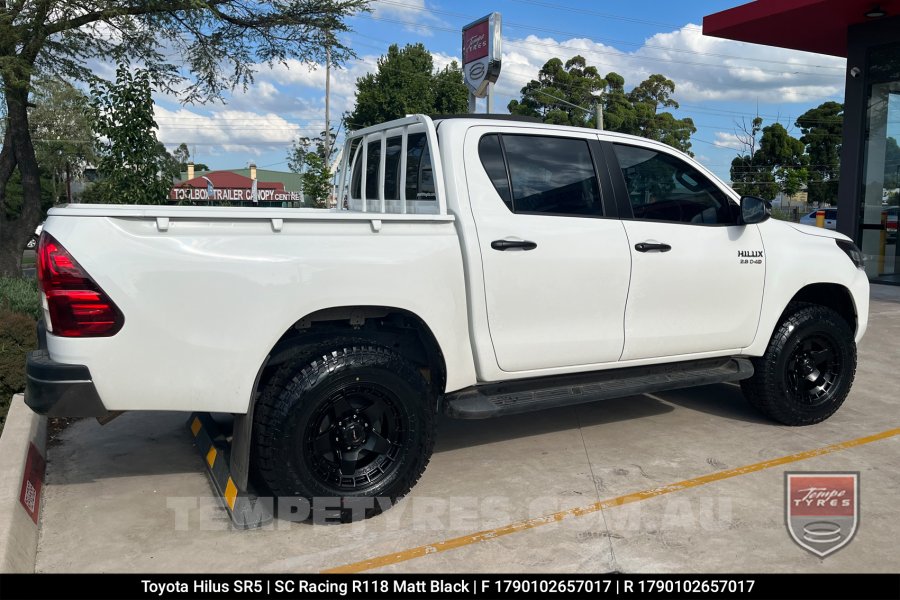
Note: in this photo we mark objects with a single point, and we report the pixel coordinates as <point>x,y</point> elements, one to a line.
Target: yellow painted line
<point>230,493</point>
<point>196,426</point>
<point>211,456</point>
<point>483,536</point>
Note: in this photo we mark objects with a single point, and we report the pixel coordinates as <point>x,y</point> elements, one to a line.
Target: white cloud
<point>772,75</point>
<point>703,68</point>
<point>413,14</point>
<point>226,130</point>
<point>728,140</point>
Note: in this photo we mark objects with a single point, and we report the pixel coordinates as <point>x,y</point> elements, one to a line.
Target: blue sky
<point>719,83</point>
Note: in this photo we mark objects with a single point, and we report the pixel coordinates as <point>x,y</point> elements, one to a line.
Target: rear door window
<point>536,174</point>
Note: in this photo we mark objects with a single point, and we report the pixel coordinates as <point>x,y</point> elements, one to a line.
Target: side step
<point>511,397</point>
<point>246,510</point>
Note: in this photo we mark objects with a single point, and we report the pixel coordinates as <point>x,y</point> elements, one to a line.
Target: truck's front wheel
<point>808,368</point>
<point>356,423</point>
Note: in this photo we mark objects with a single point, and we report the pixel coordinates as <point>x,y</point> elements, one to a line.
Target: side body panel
<point>205,300</point>
<point>698,296</point>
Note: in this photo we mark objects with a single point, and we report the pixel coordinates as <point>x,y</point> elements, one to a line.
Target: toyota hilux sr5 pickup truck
<point>475,267</point>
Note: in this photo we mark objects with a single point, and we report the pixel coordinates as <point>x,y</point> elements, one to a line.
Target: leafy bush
<point>17,336</point>
<point>20,307</point>
<point>20,295</point>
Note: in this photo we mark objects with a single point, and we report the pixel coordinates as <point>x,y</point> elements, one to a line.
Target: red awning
<point>812,25</point>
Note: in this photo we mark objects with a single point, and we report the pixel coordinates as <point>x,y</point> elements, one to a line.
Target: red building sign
<point>225,186</point>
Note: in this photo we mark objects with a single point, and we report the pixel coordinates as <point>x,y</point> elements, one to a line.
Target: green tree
<point>451,95</point>
<point>747,176</point>
<point>63,132</point>
<point>785,156</point>
<point>307,157</point>
<point>822,129</point>
<point>775,163</point>
<point>134,166</point>
<point>182,156</point>
<point>561,87</point>
<point>557,87</point>
<point>194,48</point>
<point>406,83</point>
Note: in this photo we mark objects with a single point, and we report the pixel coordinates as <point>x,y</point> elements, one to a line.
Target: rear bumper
<point>59,389</point>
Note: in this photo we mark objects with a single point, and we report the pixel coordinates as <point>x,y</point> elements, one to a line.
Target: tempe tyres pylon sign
<point>481,53</point>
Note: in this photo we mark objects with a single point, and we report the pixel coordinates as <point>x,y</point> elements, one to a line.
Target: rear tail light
<point>75,304</point>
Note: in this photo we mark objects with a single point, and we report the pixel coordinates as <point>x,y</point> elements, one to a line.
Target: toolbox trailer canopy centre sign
<point>481,53</point>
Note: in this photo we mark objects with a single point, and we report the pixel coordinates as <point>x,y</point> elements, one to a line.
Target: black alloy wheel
<point>346,420</point>
<point>813,369</point>
<point>354,437</point>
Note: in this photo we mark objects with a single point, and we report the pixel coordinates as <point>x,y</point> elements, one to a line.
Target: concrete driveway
<point>584,489</point>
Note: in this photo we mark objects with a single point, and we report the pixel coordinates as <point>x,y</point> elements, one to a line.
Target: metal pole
<point>327,95</point>
<point>598,114</point>
<point>490,98</point>
<point>68,184</point>
<point>471,103</point>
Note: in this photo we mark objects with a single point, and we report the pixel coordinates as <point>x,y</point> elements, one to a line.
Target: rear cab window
<point>419,188</point>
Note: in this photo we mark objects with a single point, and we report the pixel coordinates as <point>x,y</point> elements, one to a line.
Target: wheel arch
<point>397,328</point>
<point>835,296</point>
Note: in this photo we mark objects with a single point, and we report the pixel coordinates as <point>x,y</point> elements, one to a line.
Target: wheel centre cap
<point>353,433</point>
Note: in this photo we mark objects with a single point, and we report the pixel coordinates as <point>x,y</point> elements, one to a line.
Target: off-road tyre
<point>807,369</point>
<point>360,399</point>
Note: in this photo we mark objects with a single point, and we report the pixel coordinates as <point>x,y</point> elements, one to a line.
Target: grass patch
<point>21,295</point>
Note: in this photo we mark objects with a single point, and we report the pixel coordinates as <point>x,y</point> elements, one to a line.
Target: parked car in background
<point>830,218</point>
<point>33,240</point>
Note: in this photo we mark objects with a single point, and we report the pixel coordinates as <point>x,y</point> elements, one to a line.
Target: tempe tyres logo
<point>822,510</point>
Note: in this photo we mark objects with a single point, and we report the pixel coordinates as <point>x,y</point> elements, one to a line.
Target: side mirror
<point>754,210</point>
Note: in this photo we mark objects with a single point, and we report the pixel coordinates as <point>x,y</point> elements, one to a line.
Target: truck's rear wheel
<point>356,422</point>
<point>808,368</point>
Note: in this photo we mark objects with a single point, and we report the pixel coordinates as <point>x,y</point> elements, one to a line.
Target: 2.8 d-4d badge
<point>822,509</point>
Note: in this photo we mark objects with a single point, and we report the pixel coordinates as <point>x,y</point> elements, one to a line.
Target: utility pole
<point>598,114</point>
<point>327,96</point>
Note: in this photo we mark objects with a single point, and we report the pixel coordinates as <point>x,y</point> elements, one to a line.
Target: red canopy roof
<point>811,25</point>
<point>227,179</point>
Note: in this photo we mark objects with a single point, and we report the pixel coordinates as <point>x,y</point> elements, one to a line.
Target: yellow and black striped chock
<point>247,511</point>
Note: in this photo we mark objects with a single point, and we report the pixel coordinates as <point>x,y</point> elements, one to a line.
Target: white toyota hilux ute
<point>480,267</point>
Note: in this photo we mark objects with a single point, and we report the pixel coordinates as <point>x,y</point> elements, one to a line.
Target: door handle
<point>648,246</point>
<point>513,245</point>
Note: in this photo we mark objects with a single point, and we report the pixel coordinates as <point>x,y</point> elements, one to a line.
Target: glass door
<point>882,168</point>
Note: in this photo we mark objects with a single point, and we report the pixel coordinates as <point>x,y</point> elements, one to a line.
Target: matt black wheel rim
<point>813,370</point>
<point>353,440</point>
